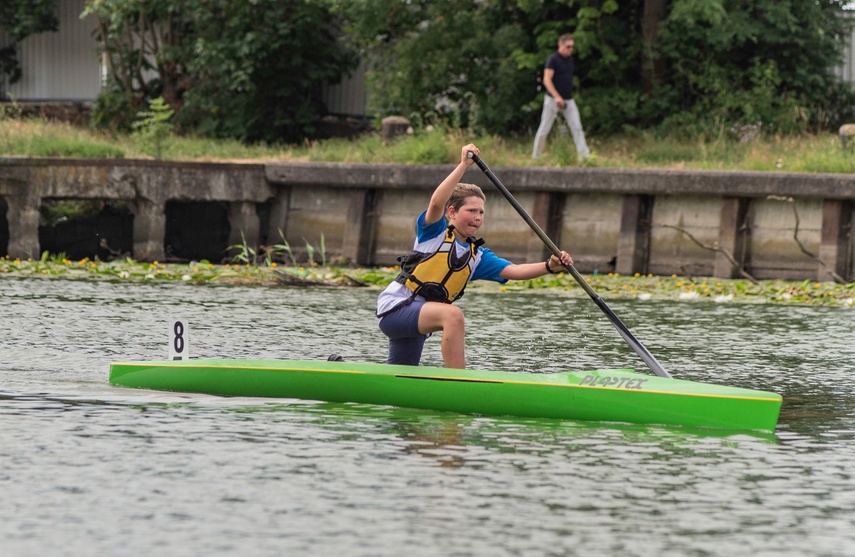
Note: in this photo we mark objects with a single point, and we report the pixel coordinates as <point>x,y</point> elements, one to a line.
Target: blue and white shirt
<point>429,238</point>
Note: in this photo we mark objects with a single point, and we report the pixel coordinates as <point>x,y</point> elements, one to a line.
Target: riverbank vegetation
<point>253,72</point>
<point>609,286</point>
<point>721,151</point>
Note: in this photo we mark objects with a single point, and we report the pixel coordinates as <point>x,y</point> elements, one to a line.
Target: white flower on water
<point>724,298</point>
<point>689,295</point>
<point>644,296</point>
<point>124,275</point>
<point>848,302</point>
<point>786,295</point>
<point>186,277</point>
<point>149,276</point>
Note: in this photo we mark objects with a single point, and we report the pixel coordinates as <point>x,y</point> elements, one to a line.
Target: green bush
<point>244,70</point>
<point>430,147</point>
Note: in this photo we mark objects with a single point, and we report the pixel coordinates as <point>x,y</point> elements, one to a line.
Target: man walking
<point>558,80</point>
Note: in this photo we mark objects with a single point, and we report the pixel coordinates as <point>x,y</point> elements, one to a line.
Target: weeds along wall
<point>701,223</point>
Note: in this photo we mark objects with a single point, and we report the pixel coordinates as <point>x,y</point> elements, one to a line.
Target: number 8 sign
<point>178,346</point>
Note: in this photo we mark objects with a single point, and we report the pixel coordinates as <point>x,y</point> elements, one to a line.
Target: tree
<point>246,70</point>
<point>467,62</point>
<point>749,62</point>
<point>675,65</point>
<point>21,18</point>
<point>260,66</point>
<point>144,42</point>
<point>652,65</point>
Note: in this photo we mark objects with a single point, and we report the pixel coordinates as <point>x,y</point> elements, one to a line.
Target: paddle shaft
<point>633,342</point>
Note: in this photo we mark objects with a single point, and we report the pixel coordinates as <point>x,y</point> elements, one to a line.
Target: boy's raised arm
<point>442,193</point>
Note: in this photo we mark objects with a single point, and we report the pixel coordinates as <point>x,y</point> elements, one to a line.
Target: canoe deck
<point>611,395</point>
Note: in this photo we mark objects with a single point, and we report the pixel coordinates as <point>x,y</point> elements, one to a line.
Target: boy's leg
<point>547,118</point>
<point>436,316</point>
<point>405,341</point>
<point>406,351</point>
<point>574,122</point>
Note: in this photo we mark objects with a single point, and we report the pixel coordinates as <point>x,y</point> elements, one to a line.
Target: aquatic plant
<point>642,288</point>
<point>284,248</point>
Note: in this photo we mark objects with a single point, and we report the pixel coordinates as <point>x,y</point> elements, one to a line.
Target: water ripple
<point>86,467</point>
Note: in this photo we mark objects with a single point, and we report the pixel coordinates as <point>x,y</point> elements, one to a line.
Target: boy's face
<point>469,218</point>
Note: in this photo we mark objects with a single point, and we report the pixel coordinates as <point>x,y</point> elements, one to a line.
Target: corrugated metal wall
<point>348,98</point>
<point>61,66</point>
<point>847,69</point>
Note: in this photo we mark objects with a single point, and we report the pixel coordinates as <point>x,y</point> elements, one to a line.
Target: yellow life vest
<point>440,276</point>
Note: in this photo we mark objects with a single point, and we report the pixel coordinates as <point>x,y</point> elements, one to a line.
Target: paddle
<point>624,332</point>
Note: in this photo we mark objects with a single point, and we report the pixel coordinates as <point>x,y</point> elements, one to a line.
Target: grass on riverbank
<point>611,286</point>
<point>722,150</point>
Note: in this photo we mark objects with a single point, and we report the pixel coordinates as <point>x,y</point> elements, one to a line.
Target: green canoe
<point>612,395</point>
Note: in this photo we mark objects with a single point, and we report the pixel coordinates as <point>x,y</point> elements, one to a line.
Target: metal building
<point>62,66</point>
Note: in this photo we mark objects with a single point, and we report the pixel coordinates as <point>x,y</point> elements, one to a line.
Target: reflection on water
<point>87,467</point>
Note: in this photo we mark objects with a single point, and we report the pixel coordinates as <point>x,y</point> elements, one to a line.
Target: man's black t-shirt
<point>563,76</point>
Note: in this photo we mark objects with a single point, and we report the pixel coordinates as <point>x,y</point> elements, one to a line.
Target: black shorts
<point>402,327</point>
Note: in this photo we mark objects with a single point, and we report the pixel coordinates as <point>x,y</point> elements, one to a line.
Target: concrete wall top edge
<point>619,181</point>
<point>157,181</point>
<point>356,174</point>
<point>261,179</point>
<point>18,161</point>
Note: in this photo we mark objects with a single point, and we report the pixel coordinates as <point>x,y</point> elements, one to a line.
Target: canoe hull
<point>600,395</point>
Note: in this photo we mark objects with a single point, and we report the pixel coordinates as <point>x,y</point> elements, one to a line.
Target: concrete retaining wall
<point>777,225</point>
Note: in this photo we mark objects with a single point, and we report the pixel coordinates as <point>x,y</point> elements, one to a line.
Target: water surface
<point>87,468</point>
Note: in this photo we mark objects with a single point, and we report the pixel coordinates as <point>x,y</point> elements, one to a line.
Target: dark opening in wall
<point>4,228</point>
<point>86,228</point>
<point>196,230</point>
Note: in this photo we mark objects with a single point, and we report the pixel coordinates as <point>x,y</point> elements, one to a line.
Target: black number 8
<point>178,342</point>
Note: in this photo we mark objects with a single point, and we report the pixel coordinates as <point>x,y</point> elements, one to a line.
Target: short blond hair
<point>461,192</point>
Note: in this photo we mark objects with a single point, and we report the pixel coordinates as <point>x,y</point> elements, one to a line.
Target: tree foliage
<point>249,70</point>
<point>750,62</point>
<point>468,59</point>
<point>677,65</point>
<point>20,19</point>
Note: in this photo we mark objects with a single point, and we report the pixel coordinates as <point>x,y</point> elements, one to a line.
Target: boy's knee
<point>454,317</point>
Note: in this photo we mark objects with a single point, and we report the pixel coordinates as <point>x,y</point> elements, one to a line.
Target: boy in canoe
<point>446,255</point>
